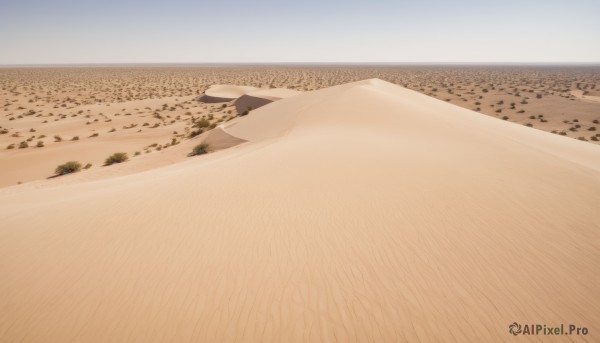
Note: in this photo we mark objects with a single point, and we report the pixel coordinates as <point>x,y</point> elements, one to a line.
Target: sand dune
<point>361,212</point>
<point>245,97</point>
<point>218,139</point>
<point>261,97</point>
<point>580,95</point>
<point>224,93</point>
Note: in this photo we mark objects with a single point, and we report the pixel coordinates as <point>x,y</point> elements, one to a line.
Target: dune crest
<point>361,212</point>
<point>224,93</point>
<point>261,97</point>
<point>246,97</point>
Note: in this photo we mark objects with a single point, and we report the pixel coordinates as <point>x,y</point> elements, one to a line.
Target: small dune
<point>261,97</point>
<point>224,93</point>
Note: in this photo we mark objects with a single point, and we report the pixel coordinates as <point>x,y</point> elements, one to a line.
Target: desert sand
<point>53,115</point>
<point>359,212</point>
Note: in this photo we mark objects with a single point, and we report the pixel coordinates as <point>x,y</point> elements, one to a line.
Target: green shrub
<point>117,157</point>
<point>23,145</point>
<point>199,149</point>
<point>195,133</point>
<point>202,123</point>
<point>67,168</point>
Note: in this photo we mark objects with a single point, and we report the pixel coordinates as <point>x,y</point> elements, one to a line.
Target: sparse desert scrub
<point>57,138</point>
<point>23,145</point>
<point>117,157</point>
<point>40,144</point>
<point>199,149</point>
<point>87,166</point>
<point>195,133</point>
<point>56,93</point>
<point>68,167</point>
<point>202,123</point>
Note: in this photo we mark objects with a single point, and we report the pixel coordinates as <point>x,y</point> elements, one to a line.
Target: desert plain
<point>298,203</point>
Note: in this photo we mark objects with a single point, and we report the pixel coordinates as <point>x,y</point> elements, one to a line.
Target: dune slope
<point>361,212</point>
<point>224,93</point>
<point>261,97</point>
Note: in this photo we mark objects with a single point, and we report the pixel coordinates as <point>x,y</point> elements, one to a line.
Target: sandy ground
<point>143,110</point>
<point>356,213</point>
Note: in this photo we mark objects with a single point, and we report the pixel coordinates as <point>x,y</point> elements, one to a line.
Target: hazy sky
<point>180,31</point>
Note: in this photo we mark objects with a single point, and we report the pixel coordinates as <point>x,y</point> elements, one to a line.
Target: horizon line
<point>478,63</point>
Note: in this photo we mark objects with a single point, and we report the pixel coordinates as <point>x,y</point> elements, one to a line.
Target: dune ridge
<point>359,212</point>
<point>261,97</point>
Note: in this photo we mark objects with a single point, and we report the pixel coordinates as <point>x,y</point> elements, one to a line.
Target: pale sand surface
<point>362,212</point>
<point>579,94</point>
<point>149,110</point>
<point>261,97</point>
<point>228,92</point>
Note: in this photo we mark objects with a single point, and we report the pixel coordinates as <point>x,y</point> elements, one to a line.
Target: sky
<point>310,31</point>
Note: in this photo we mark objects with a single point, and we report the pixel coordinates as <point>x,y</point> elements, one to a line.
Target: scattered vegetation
<point>199,149</point>
<point>202,123</point>
<point>117,157</point>
<point>67,168</point>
